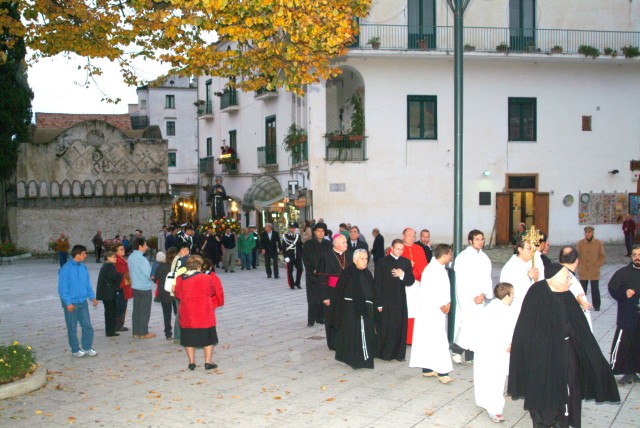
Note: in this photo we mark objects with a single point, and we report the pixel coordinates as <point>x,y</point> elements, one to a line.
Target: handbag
<point>127,279</point>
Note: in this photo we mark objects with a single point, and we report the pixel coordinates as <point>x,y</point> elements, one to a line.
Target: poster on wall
<point>634,206</point>
<point>602,208</point>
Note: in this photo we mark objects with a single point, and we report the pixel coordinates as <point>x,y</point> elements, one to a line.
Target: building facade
<point>172,107</point>
<point>550,132</point>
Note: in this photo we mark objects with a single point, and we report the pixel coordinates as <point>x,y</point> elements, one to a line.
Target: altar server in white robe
<point>492,347</point>
<point>430,350</point>
<point>518,271</point>
<point>473,287</point>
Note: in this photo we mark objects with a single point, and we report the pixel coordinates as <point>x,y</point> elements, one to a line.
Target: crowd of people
<point>532,328</point>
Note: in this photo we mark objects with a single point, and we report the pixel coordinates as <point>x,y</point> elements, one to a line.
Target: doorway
<point>520,203</point>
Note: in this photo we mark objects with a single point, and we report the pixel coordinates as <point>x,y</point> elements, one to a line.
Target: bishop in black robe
<point>353,317</point>
<point>555,359</point>
<point>391,304</point>
<point>330,266</point>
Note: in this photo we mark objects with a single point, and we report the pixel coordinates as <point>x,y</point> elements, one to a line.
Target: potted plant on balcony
<point>502,47</point>
<point>357,117</point>
<point>422,44</point>
<point>630,51</point>
<point>295,136</point>
<point>469,48</point>
<point>557,49</point>
<point>587,50</point>
<point>610,52</point>
<point>374,42</point>
<point>199,103</point>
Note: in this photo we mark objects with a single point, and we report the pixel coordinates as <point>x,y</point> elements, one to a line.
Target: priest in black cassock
<point>393,274</point>
<point>330,266</point>
<point>555,360</point>
<point>624,286</point>
<point>311,252</point>
<point>352,314</point>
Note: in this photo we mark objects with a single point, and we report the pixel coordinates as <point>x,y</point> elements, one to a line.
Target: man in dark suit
<point>377,251</point>
<point>354,243</point>
<point>271,247</point>
<point>425,243</point>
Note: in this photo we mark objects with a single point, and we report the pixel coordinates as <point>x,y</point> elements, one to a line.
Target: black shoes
<point>627,379</point>
<point>112,334</point>
<point>210,366</point>
<point>192,367</point>
<point>124,329</point>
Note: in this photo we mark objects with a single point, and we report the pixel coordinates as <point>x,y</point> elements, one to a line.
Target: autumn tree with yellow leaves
<point>258,43</point>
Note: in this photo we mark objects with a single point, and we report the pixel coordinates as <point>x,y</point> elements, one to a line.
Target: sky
<point>57,86</point>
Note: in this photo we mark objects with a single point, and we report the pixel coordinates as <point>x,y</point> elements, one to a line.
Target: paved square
<point>273,369</point>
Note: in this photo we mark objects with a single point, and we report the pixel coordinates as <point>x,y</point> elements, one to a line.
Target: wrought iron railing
<point>139,122</point>
<point>486,39</point>
<point>267,155</point>
<point>299,153</point>
<point>205,109</point>
<point>228,98</point>
<point>344,148</point>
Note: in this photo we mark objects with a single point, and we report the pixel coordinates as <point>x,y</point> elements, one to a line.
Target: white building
<point>172,107</point>
<point>540,128</point>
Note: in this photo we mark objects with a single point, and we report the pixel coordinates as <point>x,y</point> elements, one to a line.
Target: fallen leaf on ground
<point>38,412</point>
<point>277,397</point>
<point>330,399</point>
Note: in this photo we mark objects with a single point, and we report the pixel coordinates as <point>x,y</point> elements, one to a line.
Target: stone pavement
<point>274,371</point>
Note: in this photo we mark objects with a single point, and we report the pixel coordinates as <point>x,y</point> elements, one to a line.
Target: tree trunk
<point>5,233</point>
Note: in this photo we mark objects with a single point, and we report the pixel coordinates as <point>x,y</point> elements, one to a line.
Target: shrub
<point>9,249</point>
<point>587,50</point>
<point>630,51</point>
<point>16,361</point>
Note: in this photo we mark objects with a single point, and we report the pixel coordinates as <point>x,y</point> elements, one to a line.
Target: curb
<point>37,380</point>
<point>14,258</point>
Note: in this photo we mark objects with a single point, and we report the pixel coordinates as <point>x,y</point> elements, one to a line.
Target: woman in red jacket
<point>217,300</point>
<point>125,293</point>
<point>195,290</point>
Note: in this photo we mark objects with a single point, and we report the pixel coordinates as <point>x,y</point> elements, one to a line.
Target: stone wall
<point>36,227</point>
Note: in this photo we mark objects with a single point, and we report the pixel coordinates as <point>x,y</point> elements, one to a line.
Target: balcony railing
<point>206,165</point>
<point>229,167</point>
<point>486,39</point>
<point>346,148</point>
<point>228,99</point>
<point>139,122</point>
<point>265,94</point>
<point>267,155</point>
<point>206,109</point>
<point>299,153</point>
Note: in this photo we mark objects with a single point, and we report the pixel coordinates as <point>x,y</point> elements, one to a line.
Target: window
<point>171,128</point>
<point>209,146</point>
<point>172,159</point>
<point>170,101</point>
<point>422,117</point>
<point>143,104</point>
<point>522,119</point>
<point>522,18</point>
<point>270,128</point>
<point>422,24</point>
<point>586,123</point>
<point>233,140</point>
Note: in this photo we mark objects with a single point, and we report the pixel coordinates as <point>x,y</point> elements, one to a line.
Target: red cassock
<point>418,258</point>
<point>195,293</point>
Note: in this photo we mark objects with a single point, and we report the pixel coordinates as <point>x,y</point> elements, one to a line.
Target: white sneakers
<point>81,353</point>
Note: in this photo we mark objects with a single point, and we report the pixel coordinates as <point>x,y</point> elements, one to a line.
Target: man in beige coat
<point>592,258</point>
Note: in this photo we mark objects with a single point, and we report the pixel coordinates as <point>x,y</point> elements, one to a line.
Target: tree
<point>261,43</point>
<point>15,105</point>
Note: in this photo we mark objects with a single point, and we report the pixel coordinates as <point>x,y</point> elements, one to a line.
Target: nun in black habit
<point>353,314</point>
<point>555,360</point>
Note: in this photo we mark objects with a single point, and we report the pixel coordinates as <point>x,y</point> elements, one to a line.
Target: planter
<point>356,137</point>
<point>422,44</point>
<point>34,381</point>
<point>228,161</point>
<point>469,48</point>
<point>375,45</point>
<point>11,259</point>
<point>557,50</point>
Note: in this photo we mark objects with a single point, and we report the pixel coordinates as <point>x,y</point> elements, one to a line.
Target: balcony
<point>346,148</point>
<point>265,94</point>
<point>267,156</point>
<point>139,122</point>
<point>299,154</point>
<point>229,100</point>
<point>205,110</point>
<point>229,162</point>
<point>206,166</point>
<point>486,39</point>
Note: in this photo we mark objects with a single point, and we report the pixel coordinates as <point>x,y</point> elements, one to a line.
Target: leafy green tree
<point>15,105</point>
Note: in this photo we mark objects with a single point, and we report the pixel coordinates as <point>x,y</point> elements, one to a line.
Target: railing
<point>139,122</point>
<point>205,109</point>
<point>267,155</point>
<point>486,39</point>
<point>206,165</point>
<point>228,99</point>
<point>229,167</point>
<point>346,148</point>
<point>299,153</point>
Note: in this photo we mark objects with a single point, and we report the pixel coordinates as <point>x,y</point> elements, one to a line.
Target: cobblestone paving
<point>274,371</point>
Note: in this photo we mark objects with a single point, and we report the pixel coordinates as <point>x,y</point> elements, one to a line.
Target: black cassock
<point>217,195</point>
<point>625,349</point>
<point>355,342</point>
<point>330,264</point>
<point>555,360</point>
<point>392,296</point>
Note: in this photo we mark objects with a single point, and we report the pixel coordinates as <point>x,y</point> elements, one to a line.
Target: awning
<point>263,192</point>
